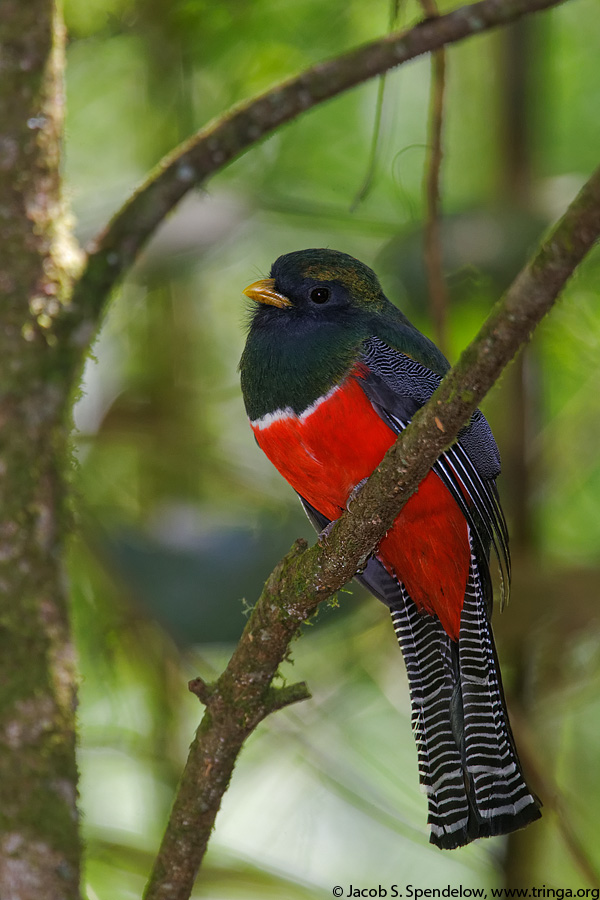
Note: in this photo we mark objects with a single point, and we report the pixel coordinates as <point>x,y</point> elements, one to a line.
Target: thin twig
<point>240,699</point>
<point>369,176</point>
<point>115,250</point>
<point>438,289</point>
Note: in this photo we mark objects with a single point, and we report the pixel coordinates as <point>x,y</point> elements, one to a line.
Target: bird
<point>331,373</point>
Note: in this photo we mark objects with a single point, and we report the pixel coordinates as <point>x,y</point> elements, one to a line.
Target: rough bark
<point>39,842</point>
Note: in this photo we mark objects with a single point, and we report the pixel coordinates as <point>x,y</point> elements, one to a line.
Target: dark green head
<point>315,279</point>
<point>313,313</point>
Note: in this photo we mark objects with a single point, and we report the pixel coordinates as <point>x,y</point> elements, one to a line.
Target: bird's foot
<point>355,492</point>
<point>352,495</point>
<point>326,531</point>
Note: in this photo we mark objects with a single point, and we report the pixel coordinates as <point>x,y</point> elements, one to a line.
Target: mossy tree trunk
<point>39,838</point>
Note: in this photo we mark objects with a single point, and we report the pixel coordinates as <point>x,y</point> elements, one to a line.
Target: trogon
<point>331,373</point>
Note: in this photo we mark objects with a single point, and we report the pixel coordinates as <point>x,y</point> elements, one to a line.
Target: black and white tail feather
<point>468,763</point>
<point>467,759</point>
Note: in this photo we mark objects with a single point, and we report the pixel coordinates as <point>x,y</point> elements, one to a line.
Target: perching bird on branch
<point>331,373</point>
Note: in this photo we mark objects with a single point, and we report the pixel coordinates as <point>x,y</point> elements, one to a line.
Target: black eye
<point>319,295</point>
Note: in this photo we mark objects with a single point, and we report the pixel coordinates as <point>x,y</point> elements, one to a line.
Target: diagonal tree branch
<point>243,695</point>
<point>115,250</point>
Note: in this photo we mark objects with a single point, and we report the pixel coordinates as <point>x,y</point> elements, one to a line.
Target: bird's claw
<point>355,492</point>
<point>326,532</point>
<point>352,495</point>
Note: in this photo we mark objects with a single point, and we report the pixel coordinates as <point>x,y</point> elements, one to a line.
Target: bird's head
<point>321,284</point>
<point>309,325</point>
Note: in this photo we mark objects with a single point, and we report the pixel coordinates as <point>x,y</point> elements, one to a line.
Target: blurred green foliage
<point>182,519</point>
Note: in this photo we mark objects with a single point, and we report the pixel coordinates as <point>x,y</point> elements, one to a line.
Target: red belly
<point>325,454</point>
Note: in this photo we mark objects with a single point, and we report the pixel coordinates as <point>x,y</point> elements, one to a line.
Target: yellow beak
<point>263,291</point>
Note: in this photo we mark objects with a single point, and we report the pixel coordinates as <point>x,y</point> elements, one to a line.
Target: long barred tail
<point>468,763</point>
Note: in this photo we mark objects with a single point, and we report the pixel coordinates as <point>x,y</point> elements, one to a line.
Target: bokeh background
<point>182,519</point>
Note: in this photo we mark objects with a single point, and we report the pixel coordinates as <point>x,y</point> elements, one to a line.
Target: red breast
<point>336,443</point>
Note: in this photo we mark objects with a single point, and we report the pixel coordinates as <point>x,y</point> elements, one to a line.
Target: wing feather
<point>397,386</point>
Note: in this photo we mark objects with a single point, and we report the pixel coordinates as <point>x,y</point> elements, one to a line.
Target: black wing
<point>397,386</point>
